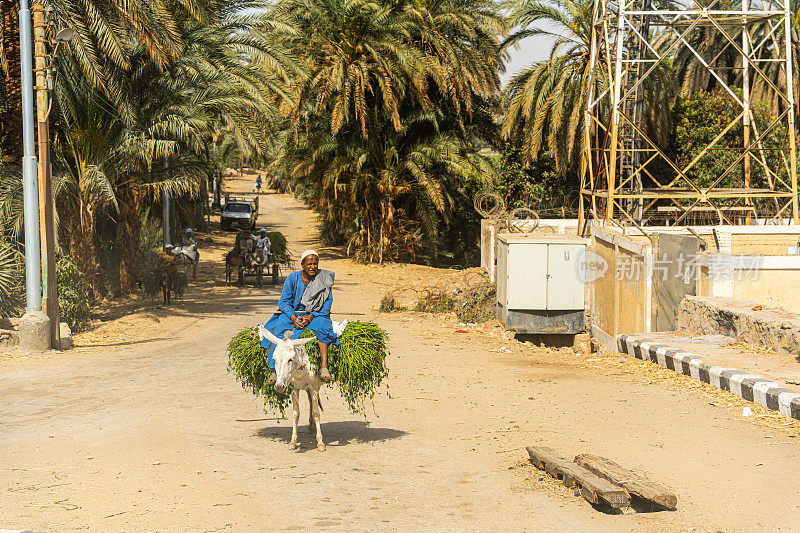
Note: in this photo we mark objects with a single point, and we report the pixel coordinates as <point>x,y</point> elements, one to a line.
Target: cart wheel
<point>274,274</point>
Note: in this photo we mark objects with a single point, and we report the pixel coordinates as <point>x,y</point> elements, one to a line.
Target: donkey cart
<point>250,261</point>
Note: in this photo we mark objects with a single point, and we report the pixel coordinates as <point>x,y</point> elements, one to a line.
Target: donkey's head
<point>287,357</point>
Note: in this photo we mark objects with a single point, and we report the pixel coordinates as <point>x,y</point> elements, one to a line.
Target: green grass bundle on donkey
<point>357,365</point>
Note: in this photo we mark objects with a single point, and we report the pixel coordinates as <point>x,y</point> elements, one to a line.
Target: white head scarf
<point>307,253</point>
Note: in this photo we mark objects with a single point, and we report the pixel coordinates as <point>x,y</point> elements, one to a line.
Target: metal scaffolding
<point>626,177</point>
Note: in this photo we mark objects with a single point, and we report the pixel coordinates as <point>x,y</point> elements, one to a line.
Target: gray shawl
<point>317,291</point>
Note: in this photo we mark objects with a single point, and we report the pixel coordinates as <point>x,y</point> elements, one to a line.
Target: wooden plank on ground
<point>634,483</point>
<point>593,488</point>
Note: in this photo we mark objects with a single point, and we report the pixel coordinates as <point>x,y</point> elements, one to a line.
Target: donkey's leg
<point>311,428</point>
<point>295,416</point>
<point>315,414</point>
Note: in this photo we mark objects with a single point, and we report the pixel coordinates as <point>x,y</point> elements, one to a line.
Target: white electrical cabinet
<point>540,285</point>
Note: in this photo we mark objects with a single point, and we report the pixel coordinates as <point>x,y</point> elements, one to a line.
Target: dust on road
<point>141,428</point>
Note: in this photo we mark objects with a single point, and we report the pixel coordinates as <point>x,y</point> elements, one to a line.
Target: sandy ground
<point>141,428</point>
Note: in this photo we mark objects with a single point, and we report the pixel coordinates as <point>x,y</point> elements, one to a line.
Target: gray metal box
<point>540,286</point>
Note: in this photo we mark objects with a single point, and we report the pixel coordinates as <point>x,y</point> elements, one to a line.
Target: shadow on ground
<point>334,433</point>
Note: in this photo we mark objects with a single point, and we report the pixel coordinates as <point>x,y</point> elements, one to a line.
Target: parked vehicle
<point>241,212</point>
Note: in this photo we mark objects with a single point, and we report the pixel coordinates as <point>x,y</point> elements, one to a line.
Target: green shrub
<point>74,294</point>
<point>390,305</point>
<point>435,302</point>
<point>478,304</point>
<point>181,282</point>
<point>11,284</point>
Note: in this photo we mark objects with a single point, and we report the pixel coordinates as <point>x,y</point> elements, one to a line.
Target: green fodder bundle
<point>151,284</point>
<point>280,252</point>
<point>357,365</point>
<point>477,304</point>
<point>248,360</point>
<point>181,282</point>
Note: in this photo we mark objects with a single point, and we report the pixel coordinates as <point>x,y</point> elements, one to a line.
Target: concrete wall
<point>632,298</point>
<point>621,299</point>
<point>635,296</point>
<point>774,288</point>
<point>775,329</point>
<point>772,281</point>
<point>603,296</point>
<point>763,243</point>
<point>670,285</point>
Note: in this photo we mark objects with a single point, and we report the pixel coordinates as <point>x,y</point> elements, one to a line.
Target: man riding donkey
<point>305,303</point>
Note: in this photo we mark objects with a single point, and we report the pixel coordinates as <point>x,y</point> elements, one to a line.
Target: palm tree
<point>111,157</point>
<point>763,91</point>
<point>545,103</point>
<point>10,90</point>
<point>10,277</point>
<point>394,95</point>
<point>88,138</point>
<point>714,47</point>
<point>356,52</point>
<point>464,38</point>
<point>227,77</point>
<point>103,31</point>
<point>382,195</point>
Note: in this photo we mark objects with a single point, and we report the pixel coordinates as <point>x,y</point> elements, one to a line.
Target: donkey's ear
<point>300,342</point>
<point>264,333</point>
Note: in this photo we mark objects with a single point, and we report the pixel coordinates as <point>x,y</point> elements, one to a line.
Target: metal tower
<point>626,177</point>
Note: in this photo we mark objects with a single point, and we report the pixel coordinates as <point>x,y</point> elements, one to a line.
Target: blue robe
<point>289,305</point>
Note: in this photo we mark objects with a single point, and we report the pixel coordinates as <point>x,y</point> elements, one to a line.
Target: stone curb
<point>749,386</point>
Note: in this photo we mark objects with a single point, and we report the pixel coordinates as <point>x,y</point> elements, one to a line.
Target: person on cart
<point>189,241</point>
<point>263,242</point>
<point>305,303</point>
<point>189,238</point>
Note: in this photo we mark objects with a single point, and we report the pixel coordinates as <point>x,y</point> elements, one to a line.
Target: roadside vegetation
<point>385,117</point>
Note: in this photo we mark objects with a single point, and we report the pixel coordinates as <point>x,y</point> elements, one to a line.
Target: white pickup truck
<point>241,212</point>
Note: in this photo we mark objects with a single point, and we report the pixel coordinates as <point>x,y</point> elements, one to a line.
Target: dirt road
<point>146,431</point>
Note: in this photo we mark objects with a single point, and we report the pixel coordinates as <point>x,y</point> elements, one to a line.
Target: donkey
<point>234,262</point>
<point>293,369</point>
<point>258,262</point>
<point>166,272</point>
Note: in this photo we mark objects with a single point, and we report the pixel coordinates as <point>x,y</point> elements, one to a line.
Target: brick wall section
<point>772,328</point>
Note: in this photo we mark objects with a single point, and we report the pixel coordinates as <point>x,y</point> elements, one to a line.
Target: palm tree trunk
<point>86,251</point>
<point>10,90</point>
<point>128,238</point>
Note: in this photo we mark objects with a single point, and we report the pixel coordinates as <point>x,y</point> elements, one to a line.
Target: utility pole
<point>34,326</point>
<point>216,203</point>
<point>165,210</point>
<point>47,230</point>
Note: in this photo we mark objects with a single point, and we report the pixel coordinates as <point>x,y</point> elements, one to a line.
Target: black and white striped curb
<point>749,386</point>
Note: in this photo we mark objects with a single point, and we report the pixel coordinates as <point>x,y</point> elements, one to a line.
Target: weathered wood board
<point>634,483</point>
<point>593,488</point>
